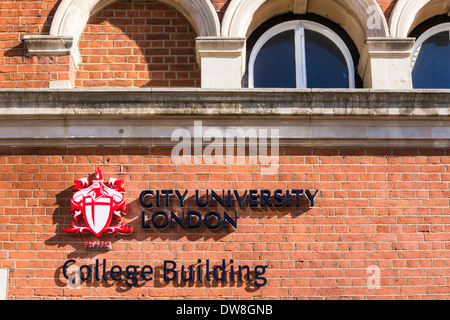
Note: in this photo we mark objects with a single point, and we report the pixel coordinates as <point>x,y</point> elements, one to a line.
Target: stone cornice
<point>244,102</point>
<point>140,117</point>
<point>44,45</point>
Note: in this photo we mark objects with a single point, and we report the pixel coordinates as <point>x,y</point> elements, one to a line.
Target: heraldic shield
<point>98,203</point>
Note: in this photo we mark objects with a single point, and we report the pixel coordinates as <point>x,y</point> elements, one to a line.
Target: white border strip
<point>4,273</point>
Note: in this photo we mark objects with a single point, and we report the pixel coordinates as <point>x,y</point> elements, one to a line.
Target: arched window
<point>300,54</point>
<point>431,59</point>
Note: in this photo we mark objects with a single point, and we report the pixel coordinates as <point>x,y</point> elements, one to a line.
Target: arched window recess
<point>300,54</point>
<point>430,62</point>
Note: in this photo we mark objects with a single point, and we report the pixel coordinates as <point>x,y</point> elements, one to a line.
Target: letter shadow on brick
<point>174,223</point>
<point>212,222</point>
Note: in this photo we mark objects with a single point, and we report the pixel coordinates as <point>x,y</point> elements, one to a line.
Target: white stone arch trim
<point>425,36</point>
<point>72,16</point>
<point>429,33</point>
<point>350,14</point>
<point>407,14</point>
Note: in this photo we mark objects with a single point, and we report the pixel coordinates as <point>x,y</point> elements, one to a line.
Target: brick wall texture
<point>387,208</point>
<point>138,44</point>
<point>131,43</point>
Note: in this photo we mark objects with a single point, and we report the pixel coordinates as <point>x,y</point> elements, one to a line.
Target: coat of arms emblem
<point>98,203</point>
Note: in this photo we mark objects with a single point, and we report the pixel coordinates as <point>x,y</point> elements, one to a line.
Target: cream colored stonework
<point>386,63</point>
<point>222,61</point>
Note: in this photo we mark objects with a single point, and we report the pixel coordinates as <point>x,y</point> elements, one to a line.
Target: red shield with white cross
<point>98,203</point>
<point>97,214</point>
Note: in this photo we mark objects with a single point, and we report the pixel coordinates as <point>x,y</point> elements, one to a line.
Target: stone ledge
<point>147,117</point>
<point>44,45</point>
<point>158,132</point>
<point>242,102</point>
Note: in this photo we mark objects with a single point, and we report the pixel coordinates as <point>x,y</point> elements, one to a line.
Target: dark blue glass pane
<point>432,68</point>
<point>325,64</point>
<point>275,64</point>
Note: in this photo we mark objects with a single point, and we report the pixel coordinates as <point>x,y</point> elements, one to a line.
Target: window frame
<point>299,27</point>
<point>425,36</point>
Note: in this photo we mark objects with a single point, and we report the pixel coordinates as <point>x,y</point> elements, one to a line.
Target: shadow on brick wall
<point>16,51</point>
<point>49,20</point>
<point>145,44</point>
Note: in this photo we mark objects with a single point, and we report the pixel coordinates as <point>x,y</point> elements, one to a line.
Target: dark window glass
<point>275,64</point>
<point>325,64</point>
<point>432,67</point>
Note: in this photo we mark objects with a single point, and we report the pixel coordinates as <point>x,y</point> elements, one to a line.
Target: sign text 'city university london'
<point>163,216</point>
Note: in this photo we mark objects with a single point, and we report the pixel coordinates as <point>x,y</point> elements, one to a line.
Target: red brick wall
<point>20,18</point>
<point>136,44</point>
<point>382,207</point>
<point>387,6</point>
<point>221,6</point>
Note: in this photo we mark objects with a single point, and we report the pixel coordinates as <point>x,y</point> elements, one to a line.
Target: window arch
<point>430,62</point>
<point>72,16</point>
<point>300,54</point>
